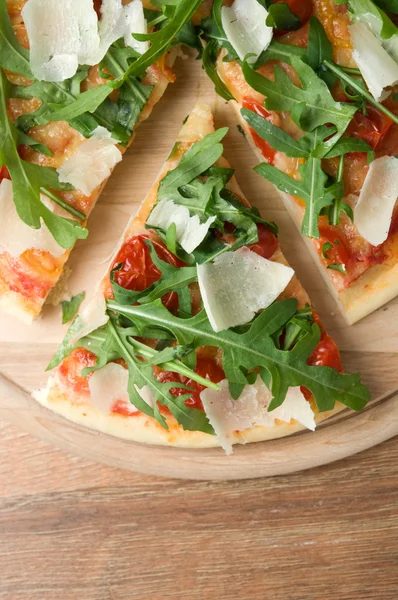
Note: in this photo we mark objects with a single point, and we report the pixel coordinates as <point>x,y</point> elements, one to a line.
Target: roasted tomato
<point>265,149</point>
<point>206,367</point>
<point>371,127</point>
<point>339,253</point>
<point>138,271</point>
<point>71,369</point>
<point>300,8</point>
<point>4,174</point>
<point>267,242</point>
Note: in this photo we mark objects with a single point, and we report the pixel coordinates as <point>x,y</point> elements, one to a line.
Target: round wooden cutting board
<point>370,346</point>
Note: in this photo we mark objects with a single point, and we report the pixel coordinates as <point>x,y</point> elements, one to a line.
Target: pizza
<point>69,109</point>
<point>200,334</point>
<point>314,84</point>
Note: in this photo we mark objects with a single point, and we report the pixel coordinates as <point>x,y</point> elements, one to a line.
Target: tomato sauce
<point>265,149</point>
<point>267,242</point>
<point>70,370</point>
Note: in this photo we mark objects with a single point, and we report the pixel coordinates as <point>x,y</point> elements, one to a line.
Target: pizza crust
<point>370,291</point>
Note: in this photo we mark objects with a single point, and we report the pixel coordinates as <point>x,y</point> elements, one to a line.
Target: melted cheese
<point>373,212</point>
<point>64,34</point>
<point>245,28</point>
<point>227,415</point>
<point>16,237</point>
<point>238,284</point>
<point>190,232</point>
<point>377,67</point>
<point>92,163</point>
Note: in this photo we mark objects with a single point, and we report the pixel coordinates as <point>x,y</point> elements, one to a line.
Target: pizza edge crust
<point>142,428</point>
<point>370,291</point>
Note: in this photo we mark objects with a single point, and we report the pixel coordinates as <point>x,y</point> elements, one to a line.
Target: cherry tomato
<point>371,127</point>
<point>138,271</point>
<point>301,8</point>
<point>265,149</point>
<point>267,242</point>
<point>326,354</point>
<point>205,367</point>
<point>4,174</point>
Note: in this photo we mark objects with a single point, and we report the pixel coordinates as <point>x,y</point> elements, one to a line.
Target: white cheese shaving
<point>60,35</point>
<point>92,162</point>
<point>110,385</point>
<point>92,316</point>
<point>16,237</point>
<point>377,67</point>
<point>64,34</point>
<point>227,415</point>
<point>245,28</point>
<point>374,210</point>
<point>238,284</point>
<point>190,232</point>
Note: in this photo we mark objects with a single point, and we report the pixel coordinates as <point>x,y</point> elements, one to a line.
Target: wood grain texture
<point>71,529</point>
<point>370,346</point>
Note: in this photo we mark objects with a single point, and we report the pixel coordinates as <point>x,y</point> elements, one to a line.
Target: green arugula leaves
<point>70,307</point>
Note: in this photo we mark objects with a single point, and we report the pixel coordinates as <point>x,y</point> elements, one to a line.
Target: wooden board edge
<point>337,439</point>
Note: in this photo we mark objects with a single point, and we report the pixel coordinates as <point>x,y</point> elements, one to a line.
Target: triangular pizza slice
<point>69,108</point>
<point>313,86</point>
<point>200,334</point>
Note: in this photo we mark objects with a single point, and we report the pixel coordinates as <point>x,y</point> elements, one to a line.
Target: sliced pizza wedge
<point>69,108</point>
<point>313,85</point>
<point>200,334</point>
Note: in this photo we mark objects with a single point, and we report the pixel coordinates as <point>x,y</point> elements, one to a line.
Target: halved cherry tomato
<point>4,174</point>
<point>371,127</point>
<point>326,354</point>
<point>301,8</point>
<point>267,242</point>
<point>138,271</point>
<point>265,149</point>
<point>205,367</point>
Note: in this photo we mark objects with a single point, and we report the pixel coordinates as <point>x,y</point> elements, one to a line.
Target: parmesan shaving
<point>377,67</point>
<point>92,162</point>
<point>375,207</point>
<point>16,237</point>
<point>239,284</point>
<point>190,232</point>
<point>92,317</point>
<point>64,34</point>
<point>245,27</point>
<point>228,416</point>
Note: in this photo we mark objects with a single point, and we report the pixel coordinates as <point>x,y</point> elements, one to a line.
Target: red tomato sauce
<point>267,242</point>
<point>265,149</point>
<point>371,127</point>
<point>70,370</point>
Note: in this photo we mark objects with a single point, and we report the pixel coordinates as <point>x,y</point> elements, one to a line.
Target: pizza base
<point>142,428</point>
<point>371,290</point>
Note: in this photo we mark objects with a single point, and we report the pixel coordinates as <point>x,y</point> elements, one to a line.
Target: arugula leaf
<point>312,187</point>
<point>310,106</point>
<point>172,279</point>
<point>70,307</point>
<point>388,5</point>
<point>275,136</point>
<point>281,17</point>
<point>256,348</point>
<point>209,63</point>
<point>13,56</point>
<point>319,47</point>
<point>281,52</point>
<point>28,178</point>
<point>338,267</point>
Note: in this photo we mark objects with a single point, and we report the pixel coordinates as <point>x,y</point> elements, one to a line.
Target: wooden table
<point>74,530</point>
